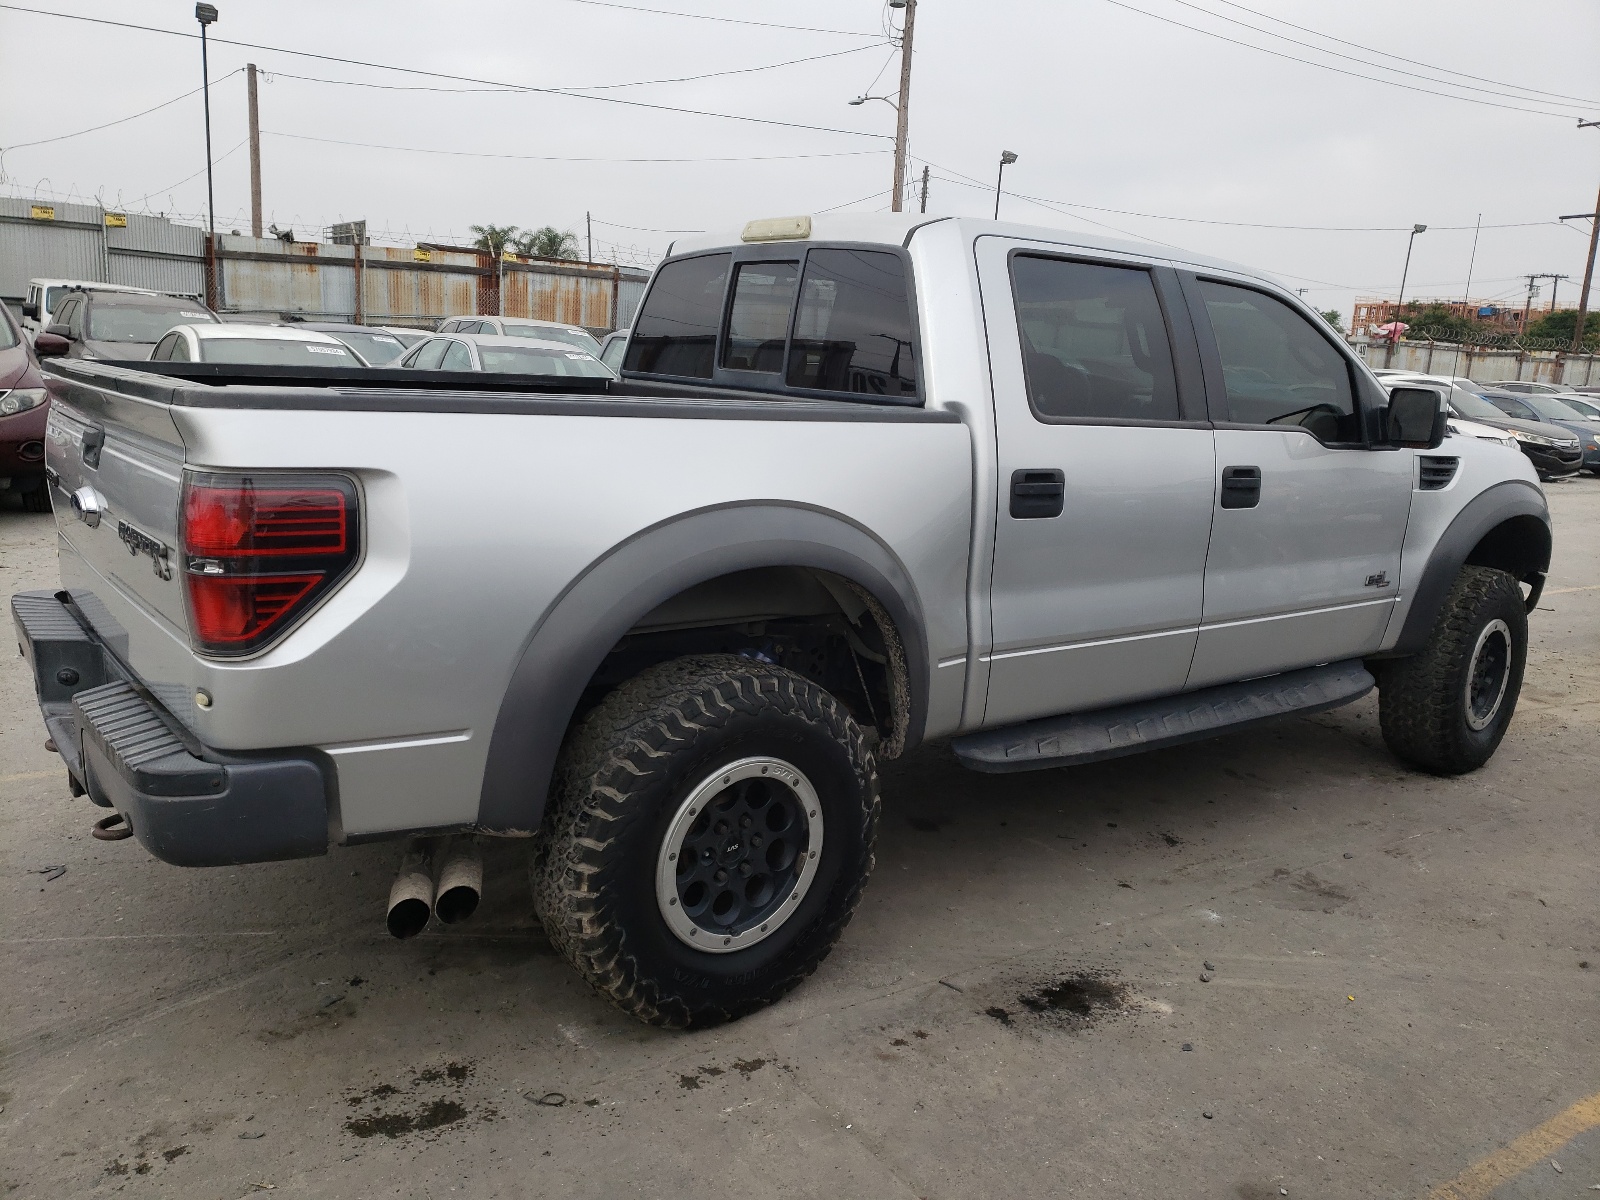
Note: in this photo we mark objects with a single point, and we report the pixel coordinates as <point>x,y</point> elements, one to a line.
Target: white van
<point>45,296</point>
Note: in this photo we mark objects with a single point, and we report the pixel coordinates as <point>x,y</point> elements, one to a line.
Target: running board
<point>1150,724</point>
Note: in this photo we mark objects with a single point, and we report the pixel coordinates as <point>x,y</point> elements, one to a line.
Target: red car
<point>23,409</point>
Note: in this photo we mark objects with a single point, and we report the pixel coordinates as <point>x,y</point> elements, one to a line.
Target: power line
<point>1336,70</point>
<point>1396,57</point>
<point>1498,90</point>
<point>595,87</point>
<point>377,66</point>
<point>658,12</point>
<point>120,120</point>
<point>306,137</point>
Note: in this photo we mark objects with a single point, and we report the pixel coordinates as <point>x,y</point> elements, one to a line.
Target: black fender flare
<point>1493,507</point>
<point>578,630</point>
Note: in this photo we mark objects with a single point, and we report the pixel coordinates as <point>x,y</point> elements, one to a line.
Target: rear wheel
<point>1446,709</point>
<point>709,835</point>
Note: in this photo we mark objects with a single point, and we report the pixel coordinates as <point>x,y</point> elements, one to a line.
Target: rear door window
<point>676,330</point>
<point>853,330</point>
<point>456,358</point>
<point>1277,368</point>
<point>428,357</point>
<point>758,319</point>
<point>1094,341</point>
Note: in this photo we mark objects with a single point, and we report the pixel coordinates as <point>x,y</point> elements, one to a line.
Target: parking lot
<point>1272,964</point>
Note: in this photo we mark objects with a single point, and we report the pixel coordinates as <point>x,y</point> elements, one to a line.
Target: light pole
<point>902,104</point>
<point>1400,305</point>
<point>1006,159</point>
<point>206,14</point>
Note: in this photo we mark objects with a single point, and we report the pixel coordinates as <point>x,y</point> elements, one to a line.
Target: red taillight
<point>258,552</point>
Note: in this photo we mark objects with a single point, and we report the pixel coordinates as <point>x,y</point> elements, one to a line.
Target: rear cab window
<point>795,319</point>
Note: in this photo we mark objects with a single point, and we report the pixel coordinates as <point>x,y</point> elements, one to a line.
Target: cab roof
<point>897,229</point>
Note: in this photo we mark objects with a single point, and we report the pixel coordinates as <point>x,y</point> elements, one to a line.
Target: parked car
<point>613,348</point>
<point>256,345</point>
<point>45,296</point>
<point>378,347</point>
<point>1586,405</point>
<point>544,331</point>
<point>24,404</point>
<point>867,480</point>
<point>1523,387</point>
<point>505,356</point>
<point>408,337</point>
<point>1554,452</point>
<point>1538,406</point>
<point>118,325</point>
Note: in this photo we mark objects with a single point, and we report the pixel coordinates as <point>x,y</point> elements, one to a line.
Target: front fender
<point>1513,500</point>
<point>579,629</point>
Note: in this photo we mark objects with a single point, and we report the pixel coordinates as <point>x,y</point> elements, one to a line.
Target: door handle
<point>1241,487</point>
<point>1037,492</point>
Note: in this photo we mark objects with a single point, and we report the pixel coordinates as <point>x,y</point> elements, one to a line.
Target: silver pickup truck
<point>865,481</point>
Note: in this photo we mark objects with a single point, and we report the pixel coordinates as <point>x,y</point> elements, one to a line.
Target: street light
<point>1006,159</point>
<point>206,14</point>
<point>1399,307</point>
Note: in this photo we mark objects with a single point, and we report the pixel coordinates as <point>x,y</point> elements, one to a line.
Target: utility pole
<point>1588,270</point>
<point>1527,308</point>
<point>924,207</point>
<point>1555,282</point>
<point>903,104</point>
<point>255,152</point>
<point>588,229</point>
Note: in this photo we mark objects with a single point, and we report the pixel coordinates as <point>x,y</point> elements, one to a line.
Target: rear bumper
<point>187,804</point>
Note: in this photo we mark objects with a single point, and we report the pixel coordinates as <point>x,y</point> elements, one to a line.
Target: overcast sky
<point>1106,107</point>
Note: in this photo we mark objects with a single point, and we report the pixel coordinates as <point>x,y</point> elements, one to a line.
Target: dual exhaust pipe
<point>416,897</point>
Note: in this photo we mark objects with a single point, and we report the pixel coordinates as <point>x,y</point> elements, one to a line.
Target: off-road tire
<point>623,773</point>
<point>1422,700</point>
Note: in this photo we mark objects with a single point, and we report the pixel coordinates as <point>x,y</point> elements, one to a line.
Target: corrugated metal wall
<point>152,252</point>
<point>398,285</point>
<point>71,245</point>
<point>1484,365</point>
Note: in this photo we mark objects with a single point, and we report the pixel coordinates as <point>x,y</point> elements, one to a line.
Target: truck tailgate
<point>115,467</point>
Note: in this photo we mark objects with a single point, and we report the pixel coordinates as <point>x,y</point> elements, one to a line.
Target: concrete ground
<point>1399,996</point>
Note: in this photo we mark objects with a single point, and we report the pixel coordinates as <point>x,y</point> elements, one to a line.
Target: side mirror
<point>31,311</point>
<point>50,344</point>
<point>1417,418</point>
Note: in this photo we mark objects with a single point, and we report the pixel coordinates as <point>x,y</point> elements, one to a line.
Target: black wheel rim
<point>1488,674</point>
<point>739,855</point>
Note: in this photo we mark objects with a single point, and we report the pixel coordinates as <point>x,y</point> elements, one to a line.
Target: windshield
<point>376,348</point>
<point>513,360</point>
<point>142,320</point>
<point>1550,408</point>
<point>554,333</point>
<point>1589,411</point>
<point>1475,407</point>
<point>275,352</point>
<point>8,335</point>
<point>408,339</point>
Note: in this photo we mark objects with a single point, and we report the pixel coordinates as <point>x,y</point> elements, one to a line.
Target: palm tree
<point>548,242</point>
<point>494,238</point>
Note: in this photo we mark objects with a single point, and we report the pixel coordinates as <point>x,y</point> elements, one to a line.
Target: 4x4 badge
<point>140,542</point>
<point>1380,580</point>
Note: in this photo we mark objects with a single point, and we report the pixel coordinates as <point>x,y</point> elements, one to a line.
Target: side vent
<point>1436,472</point>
